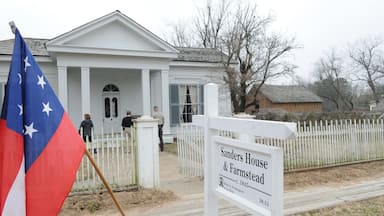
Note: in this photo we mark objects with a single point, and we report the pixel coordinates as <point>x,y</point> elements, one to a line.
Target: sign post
<point>247,174</point>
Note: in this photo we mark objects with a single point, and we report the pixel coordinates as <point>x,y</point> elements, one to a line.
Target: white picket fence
<point>318,144</point>
<point>190,149</point>
<point>115,154</point>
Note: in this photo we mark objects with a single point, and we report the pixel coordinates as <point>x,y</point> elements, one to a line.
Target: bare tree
<point>272,61</point>
<point>368,63</point>
<point>236,29</point>
<point>332,84</point>
<point>210,22</point>
<point>243,37</point>
<point>181,35</point>
<point>205,29</point>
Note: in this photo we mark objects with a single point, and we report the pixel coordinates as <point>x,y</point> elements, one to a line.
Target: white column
<point>63,86</point>
<point>85,90</point>
<point>148,152</point>
<point>165,100</point>
<point>146,92</point>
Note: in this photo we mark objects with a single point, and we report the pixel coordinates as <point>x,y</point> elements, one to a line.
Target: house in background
<point>288,98</point>
<point>113,64</point>
<point>376,106</point>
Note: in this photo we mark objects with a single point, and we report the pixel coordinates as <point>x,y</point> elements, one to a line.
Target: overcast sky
<point>318,25</point>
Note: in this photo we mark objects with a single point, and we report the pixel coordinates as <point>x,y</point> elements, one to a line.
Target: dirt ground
<point>101,204</point>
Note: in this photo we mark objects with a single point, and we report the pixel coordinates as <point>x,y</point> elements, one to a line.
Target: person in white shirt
<point>160,117</point>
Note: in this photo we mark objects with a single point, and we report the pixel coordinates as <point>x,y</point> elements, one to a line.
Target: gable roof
<point>77,40</point>
<point>289,94</point>
<point>114,33</point>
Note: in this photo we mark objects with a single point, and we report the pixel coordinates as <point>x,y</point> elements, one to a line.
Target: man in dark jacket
<point>127,123</point>
<point>86,127</point>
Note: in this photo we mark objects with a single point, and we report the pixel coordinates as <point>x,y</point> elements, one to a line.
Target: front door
<point>111,100</point>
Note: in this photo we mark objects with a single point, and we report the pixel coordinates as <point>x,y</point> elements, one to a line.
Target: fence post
<point>148,152</point>
<point>211,108</point>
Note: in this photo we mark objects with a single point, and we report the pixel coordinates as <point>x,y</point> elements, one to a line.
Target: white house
<point>113,64</point>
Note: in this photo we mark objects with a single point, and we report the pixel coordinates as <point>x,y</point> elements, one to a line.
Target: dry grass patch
<point>342,175</point>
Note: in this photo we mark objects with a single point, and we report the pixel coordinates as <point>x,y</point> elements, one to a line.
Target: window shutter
<point>201,100</point>
<point>174,104</point>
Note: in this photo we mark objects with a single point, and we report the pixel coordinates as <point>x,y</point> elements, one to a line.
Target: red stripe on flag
<point>50,178</point>
<point>11,156</point>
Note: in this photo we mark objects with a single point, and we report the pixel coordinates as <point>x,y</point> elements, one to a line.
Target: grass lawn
<point>371,207</point>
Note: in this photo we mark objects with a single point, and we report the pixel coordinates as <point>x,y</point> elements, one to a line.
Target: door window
<point>115,107</point>
<point>111,101</point>
<point>107,107</point>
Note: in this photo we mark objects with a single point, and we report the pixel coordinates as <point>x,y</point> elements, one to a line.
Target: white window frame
<point>197,104</point>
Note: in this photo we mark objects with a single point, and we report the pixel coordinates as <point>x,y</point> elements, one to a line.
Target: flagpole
<point>13,28</point>
<point>104,181</point>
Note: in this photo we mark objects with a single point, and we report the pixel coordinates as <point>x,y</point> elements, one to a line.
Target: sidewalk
<point>191,194</point>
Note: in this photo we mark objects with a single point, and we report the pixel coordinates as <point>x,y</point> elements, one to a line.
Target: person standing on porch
<point>160,117</point>
<point>127,123</point>
<point>86,127</point>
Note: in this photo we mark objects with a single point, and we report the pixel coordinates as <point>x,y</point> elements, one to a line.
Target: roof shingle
<point>199,55</point>
<point>36,46</point>
<point>289,94</point>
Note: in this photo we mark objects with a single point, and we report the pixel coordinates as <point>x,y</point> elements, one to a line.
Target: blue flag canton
<point>31,107</point>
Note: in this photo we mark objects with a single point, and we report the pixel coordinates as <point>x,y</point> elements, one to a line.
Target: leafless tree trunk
<point>331,70</point>
<point>368,63</point>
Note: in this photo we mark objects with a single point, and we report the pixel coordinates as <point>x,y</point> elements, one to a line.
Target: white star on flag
<point>46,108</point>
<point>29,130</point>
<point>41,81</point>
<point>19,75</point>
<point>21,109</point>
<point>26,63</point>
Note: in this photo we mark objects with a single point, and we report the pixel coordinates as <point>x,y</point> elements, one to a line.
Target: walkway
<point>191,195</point>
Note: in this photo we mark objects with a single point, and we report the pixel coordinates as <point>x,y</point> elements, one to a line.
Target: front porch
<point>108,93</point>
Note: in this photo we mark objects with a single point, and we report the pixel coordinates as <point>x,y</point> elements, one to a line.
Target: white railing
<point>190,149</point>
<point>318,144</point>
<point>115,154</point>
